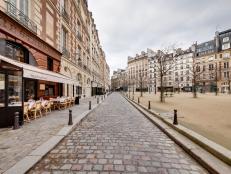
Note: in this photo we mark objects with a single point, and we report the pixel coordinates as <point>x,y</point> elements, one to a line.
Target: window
<point>188,78</point>
<point>226,55</point>
<point>64,39</point>
<point>210,66</point>
<point>226,65</point>
<point>226,74</point>
<point>2,90</point>
<point>49,90</point>
<point>225,39</point>
<point>225,46</point>
<point>15,89</point>
<point>182,79</point>
<point>49,63</point>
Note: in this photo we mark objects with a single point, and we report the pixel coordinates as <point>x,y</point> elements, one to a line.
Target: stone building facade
<point>182,70</point>
<point>48,48</point>
<point>213,59</point>
<point>137,72</point>
<point>83,57</point>
<point>119,80</point>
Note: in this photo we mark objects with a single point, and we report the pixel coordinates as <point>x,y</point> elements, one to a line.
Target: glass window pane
<point>2,90</point>
<point>15,89</point>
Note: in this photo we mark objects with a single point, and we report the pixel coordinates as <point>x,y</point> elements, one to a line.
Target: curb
<point>187,141</point>
<point>26,163</point>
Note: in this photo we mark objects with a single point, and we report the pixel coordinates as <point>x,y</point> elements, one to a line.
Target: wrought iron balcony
<point>20,17</point>
<point>65,15</point>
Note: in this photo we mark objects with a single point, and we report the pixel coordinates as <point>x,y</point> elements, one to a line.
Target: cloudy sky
<point>127,27</point>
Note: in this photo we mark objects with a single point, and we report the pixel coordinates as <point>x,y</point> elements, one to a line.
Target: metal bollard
<point>16,121</point>
<point>138,100</point>
<point>149,105</point>
<point>98,100</point>
<point>70,118</point>
<point>102,98</point>
<point>175,117</point>
<point>95,96</point>
<point>89,105</point>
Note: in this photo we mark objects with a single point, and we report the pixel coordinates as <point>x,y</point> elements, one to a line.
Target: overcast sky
<point>127,27</point>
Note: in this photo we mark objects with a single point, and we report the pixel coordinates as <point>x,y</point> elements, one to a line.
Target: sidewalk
<point>16,144</point>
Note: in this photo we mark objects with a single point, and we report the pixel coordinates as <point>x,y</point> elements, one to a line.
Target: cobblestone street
<point>16,144</point>
<point>117,138</point>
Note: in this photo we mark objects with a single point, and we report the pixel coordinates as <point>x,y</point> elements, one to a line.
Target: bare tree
<point>141,81</point>
<point>196,71</point>
<point>165,63</point>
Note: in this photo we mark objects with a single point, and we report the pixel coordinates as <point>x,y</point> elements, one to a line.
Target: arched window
<point>17,52</point>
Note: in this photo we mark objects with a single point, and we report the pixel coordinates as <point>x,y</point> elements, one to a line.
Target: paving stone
<point>116,138</point>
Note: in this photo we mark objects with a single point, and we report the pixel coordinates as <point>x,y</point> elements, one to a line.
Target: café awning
<point>33,72</point>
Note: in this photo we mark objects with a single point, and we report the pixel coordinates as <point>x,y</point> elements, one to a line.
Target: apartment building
<point>83,58</point>
<point>48,48</point>
<point>213,59</point>
<point>119,80</point>
<point>30,58</point>
<point>138,72</point>
<point>182,70</point>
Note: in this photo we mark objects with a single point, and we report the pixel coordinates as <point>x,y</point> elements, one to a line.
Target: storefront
<point>11,93</point>
<point>20,82</point>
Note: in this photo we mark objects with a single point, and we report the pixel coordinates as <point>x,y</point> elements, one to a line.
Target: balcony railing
<point>65,15</point>
<point>19,16</point>
<point>66,52</point>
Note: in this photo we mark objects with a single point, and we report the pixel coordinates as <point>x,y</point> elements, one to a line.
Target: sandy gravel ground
<point>208,115</point>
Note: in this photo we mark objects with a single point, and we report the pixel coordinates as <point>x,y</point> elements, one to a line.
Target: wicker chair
<point>36,109</point>
<point>63,104</point>
<point>72,101</point>
<point>26,113</point>
<point>47,107</point>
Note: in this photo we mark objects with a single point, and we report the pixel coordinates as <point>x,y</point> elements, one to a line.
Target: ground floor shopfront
<point>20,82</point>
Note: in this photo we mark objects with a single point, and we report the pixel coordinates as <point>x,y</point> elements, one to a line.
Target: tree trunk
<point>194,88</point>
<point>161,89</point>
<point>229,87</point>
<point>141,88</point>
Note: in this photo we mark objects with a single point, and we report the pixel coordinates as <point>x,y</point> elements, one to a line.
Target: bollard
<point>102,98</point>
<point>138,100</point>
<point>149,105</point>
<point>98,100</point>
<point>16,121</point>
<point>89,105</point>
<point>133,97</point>
<point>70,118</point>
<point>95,96</point>
<point>175,117</point>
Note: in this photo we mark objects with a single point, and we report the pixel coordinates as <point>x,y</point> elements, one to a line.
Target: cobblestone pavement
<point>116,138</point>
<point>16,144</point>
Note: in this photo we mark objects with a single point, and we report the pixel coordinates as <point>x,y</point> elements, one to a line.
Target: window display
<point>15,89</point>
